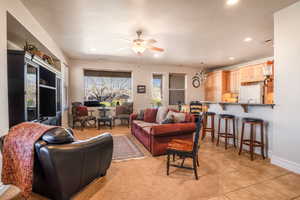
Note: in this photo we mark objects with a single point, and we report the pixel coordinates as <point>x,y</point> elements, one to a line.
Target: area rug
<point>125,149</point>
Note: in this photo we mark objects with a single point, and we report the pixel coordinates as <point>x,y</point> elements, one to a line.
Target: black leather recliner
<point>64,166</point>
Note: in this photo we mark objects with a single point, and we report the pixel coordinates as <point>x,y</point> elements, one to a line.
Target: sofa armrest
<point>133,116</point>
<point>174,129</point>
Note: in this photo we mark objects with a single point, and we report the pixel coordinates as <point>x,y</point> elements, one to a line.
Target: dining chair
<point>185,149</point>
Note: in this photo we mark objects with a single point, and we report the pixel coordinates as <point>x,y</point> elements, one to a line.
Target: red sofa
<point>155,137</point>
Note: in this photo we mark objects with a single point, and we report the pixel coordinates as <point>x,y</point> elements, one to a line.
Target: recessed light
<point>232,2</point>
<point>231,58</point>
<point>248,39</point>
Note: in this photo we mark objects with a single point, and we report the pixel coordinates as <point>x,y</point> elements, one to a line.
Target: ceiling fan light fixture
<point>138,49</point>
<point>232,2</point>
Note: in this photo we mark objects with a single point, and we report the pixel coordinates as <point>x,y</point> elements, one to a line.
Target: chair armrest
<point>173,129</point>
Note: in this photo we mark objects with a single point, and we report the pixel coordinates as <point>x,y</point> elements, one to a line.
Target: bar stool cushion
<point>227,116</point>
<point>210,113</point>
<point>255,120</point>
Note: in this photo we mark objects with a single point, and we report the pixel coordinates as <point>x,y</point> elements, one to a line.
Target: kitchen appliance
<point>251,94</point>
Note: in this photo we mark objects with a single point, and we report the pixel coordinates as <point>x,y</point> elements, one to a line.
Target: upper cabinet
<point>234,81</point>
<point>216,85</point>
<point>252,73</point>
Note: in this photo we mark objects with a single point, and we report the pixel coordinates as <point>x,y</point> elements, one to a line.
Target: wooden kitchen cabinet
<point>234,81</point>
<point>216,85</point>
<point>252,73</point>
<point>223,85</point>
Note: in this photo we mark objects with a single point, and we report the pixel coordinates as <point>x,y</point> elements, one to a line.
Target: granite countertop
<point>245,106</point>
<point>232,103</point>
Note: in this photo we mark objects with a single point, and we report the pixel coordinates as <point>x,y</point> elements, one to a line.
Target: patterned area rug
<point>125,149</point>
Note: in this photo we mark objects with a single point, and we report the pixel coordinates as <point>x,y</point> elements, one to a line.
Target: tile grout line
<point>260,182</point>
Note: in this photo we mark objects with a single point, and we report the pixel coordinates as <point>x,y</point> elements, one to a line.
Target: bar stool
<point>252,142</point>
<point>227,135</point>
<point>205,127</point>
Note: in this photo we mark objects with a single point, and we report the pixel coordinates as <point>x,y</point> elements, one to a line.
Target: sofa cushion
<point>146,126</point>
<point>161,114</point>
<point>150,115</point>
<point>171,129</point>
<point>168,120</point>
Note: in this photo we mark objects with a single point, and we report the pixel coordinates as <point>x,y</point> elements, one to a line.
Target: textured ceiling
<point>190,31</point>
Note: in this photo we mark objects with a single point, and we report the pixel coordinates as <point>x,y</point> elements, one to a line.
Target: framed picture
<point>141,89</point>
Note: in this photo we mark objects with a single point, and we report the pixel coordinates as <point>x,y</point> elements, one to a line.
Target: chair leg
<point>82,125</point>
<point>219,129</point>
<point>195,167</point>
<point>198,161</point>
<point>204,127</point>
<point>173,157</point>
<point>242,138</point>
<point>213,128</point>
<point>233,127</point>
<point>251,141</point>
<point>182,163</point>
<point>226,133</point>
<point>168,164</point>
<point>262,140</point>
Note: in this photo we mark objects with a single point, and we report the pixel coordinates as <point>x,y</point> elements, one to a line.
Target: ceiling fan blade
<point>151,41</point>
<point>156,49</point>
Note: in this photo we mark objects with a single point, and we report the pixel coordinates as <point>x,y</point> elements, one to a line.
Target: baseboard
<point>286,164</point>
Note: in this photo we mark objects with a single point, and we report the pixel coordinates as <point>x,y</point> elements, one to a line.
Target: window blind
<point>117,74</point>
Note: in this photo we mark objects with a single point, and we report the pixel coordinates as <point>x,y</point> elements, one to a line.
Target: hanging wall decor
<point>199,78</point>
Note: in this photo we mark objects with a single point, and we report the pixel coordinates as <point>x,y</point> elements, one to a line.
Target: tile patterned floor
<point>224,175</point>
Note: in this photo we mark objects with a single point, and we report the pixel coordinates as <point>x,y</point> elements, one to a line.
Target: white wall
<point>18,10</point>
<point>286,139</point>
<point>141,75</point>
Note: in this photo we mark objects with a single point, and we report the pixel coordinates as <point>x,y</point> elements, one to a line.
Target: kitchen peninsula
<point>244,91</point>
<point>244,106</point>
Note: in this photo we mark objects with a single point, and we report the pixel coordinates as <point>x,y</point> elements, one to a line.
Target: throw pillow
<point>140,116</point>
<point>150,115</point>
<point>169,120</point>
<point>178,117</point>
<point>161,114</point>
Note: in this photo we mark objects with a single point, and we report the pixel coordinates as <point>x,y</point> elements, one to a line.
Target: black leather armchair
<point>64,166</point>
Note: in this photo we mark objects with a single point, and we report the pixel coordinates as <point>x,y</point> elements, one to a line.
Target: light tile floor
<point>224,175</point>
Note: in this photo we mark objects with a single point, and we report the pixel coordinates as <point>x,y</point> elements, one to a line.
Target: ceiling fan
<point>139,45</point>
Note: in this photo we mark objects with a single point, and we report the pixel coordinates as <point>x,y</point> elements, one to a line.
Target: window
<point>107,87</point>
<point>176,89</point>
<point>157,89</point>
